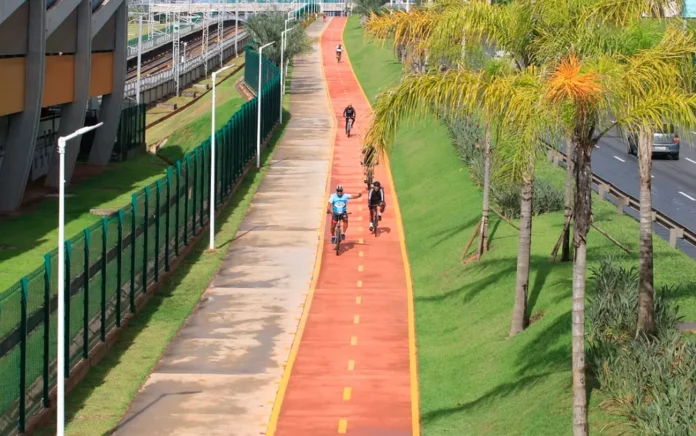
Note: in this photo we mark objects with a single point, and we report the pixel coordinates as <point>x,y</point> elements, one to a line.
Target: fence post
<point>119,263</point>
<point>85,287</point>
<point>195,191</point>
<point>186,198</point>
<point>68,292</point>
<point>105,226</point>
<point>158,213</point>
<point>23,358</point>
<point>47,331</point>
<point>176,215</point>
<point>146,221</point>
<point>167,222</point>
<point>134,206</point>
<point>204,179</point>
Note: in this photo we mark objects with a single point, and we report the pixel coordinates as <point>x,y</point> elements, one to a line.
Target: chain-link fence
<point>109,264</point>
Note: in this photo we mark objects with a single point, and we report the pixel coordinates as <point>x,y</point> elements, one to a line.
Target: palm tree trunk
<point>646,291</point>
<point>483,237</point>
<point>520,320</point>
<point>583,215</point>
<point>568,214</point>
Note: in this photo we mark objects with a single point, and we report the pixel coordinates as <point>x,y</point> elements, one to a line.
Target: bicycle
<point>349,125</point>
<point>338,56</point>
<point>374,213</point>
<point>369,174</point>
<point>337,234</point>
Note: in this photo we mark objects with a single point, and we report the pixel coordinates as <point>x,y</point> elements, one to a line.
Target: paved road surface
<point>220,374</point>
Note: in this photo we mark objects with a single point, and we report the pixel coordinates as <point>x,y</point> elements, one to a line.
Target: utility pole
<point>140,51</point>
<point>176,60</point>
<point>204,47</point>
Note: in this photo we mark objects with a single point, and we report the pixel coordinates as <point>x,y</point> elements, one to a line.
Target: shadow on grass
<point>35,226</point>
<point>491,397</point>
<point>97,375</point>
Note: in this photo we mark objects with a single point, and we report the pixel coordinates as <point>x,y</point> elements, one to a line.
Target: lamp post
<point>282,77</point>
<point>258,101</point>
<point>211,206</point>
<point>60,420</point>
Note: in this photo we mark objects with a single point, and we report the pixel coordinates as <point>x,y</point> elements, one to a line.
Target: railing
<point>622,200</point>
<point>111,265</point>
<point>167,75</point>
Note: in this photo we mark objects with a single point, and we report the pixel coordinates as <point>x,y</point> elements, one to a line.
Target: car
<point>665,142</point>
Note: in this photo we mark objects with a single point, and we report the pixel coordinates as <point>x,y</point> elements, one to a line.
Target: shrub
<point>467,136</point>
<point>651,379</point>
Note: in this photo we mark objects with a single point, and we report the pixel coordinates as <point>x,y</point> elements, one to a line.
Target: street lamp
<point>258,118</point>
<point>282,77</point>
<point>60,421</point>
<point>211,206</point>
<point>140,51</point>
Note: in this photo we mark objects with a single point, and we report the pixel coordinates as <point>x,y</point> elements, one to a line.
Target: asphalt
<point>220,374</point>
<point>673,183</point>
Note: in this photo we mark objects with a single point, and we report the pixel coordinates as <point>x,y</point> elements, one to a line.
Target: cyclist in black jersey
<point>349,112</point>
<point>376,202</point>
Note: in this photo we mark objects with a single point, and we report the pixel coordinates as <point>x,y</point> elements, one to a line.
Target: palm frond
<point>624,12</point>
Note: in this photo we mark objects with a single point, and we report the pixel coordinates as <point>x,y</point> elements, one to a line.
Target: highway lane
<point>673,182</point>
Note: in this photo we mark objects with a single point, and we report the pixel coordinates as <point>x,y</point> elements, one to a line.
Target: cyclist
<point>349,113</point>
<point>369,160</point>
<point>338,207</point>
<point>339,50</point>
<point>376,202</point>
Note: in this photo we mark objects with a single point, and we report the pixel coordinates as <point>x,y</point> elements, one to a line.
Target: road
<point>673,183</point>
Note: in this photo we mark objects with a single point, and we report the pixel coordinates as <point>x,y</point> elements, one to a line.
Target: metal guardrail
<point>676,229</point>
<point>157,79</point>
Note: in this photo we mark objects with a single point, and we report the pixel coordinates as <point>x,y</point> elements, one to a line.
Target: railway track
<point>164,61</point>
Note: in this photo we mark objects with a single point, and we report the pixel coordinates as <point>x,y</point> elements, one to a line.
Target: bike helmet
<point>339,188</point>
<point>377,185</point>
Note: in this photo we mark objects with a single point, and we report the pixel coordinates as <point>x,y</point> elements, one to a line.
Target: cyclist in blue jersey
<point>338,208</point>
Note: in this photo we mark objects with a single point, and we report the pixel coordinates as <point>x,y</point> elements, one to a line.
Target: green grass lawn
<point>29,236</point>
<point>97,404</point>
<point>474,380</point>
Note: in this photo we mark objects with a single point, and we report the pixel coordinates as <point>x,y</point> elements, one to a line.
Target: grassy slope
<point>34,233</point>
<point>473,378</point>
<point>102,398</point>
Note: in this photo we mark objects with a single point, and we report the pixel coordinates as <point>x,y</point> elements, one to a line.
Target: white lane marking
<point>618,158</point>
<point>688,196</point>
<point>692,161</point>
<point>596,146</point>
<point>651,176</point>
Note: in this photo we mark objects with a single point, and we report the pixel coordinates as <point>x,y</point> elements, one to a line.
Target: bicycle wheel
<point>348,127</point>
<point>375,221</point>
<point>338,238</point>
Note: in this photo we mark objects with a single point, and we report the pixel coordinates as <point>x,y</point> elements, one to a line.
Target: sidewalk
<point>355,369</point>
<point>220,375</point>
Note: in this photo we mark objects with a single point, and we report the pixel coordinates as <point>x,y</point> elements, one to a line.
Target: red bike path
<point>352,369</point>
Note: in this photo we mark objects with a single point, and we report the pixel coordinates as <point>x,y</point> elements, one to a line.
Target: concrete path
<point>354,371</point>
<point>220,375</point>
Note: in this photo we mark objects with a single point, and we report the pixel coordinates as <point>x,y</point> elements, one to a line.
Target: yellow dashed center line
<point>358,300</point>
<point>351,365</point>
<point>360,218</point>
<point>346,394</point>
<point>360,268</point>
<point>353,340</point>
<point>342,425</point>
<point>361,254</point>
<point>360,241</point>
<point>356,319</point>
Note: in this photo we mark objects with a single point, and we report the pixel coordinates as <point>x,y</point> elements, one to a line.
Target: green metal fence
<point>131,131</point>
<point>111,263</point>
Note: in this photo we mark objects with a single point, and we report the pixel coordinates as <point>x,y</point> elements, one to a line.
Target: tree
<point>365,8</point>
<point>268,27</point>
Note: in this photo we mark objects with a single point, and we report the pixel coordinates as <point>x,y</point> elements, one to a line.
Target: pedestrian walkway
<point>354,370</point>
<point>220,375</point>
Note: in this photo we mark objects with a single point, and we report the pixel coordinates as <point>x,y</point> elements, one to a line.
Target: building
<point>62,64</point>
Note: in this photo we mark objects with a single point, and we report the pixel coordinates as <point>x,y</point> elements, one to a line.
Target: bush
<point>651,379</point>
<point>467,136</point>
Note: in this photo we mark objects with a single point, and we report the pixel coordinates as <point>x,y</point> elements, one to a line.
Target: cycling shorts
<point>335,217</point>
